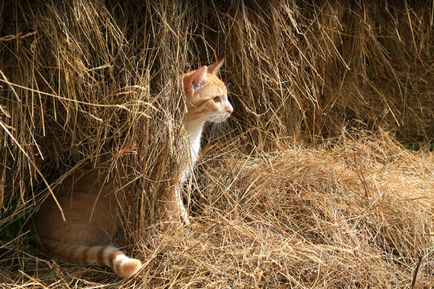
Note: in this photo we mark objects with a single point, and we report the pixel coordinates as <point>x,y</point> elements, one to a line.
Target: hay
<point>309,218</point>
<point>91,81</point>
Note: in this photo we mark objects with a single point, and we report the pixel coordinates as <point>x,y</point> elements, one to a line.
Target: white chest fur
<point>194,130</point>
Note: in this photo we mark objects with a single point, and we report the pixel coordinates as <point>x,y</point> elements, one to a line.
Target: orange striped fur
<point>91,214</point>
<point>108,255</point>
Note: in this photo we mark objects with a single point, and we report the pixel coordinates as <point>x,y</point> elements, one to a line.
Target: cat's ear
<point>194,80</point>
<point>215,67</point>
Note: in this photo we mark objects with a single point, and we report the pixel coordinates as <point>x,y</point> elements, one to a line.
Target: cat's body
<point>88,198</point>
<point>91,215</point>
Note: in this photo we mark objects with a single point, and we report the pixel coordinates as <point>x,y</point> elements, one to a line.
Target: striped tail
<point>111,256</point>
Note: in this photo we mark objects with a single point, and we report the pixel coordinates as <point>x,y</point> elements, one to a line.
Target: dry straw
<point>90,81</point>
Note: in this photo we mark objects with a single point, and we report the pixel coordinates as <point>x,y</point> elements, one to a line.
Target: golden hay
<point>90,81</point>
<point>356,215</point>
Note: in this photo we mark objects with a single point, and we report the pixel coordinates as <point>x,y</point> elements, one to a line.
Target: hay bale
<point>91,81</point>
<point>76,90</point>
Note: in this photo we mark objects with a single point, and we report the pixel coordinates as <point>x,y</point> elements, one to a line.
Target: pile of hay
<point>283,196</point>
<point>356,215</point>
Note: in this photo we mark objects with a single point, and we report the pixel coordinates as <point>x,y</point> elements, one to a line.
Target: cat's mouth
<point>220,117</point>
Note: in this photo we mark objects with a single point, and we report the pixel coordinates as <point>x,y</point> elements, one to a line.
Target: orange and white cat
<point>88,199</point>
<point>207,101</point>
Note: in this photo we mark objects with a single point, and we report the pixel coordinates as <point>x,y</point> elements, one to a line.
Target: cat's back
<point>88,206</point>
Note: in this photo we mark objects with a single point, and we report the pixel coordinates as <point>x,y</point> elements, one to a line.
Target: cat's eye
<point>217,99</point>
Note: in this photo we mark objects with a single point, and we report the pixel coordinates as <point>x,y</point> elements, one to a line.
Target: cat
<point>88,199</point>
<point>207,101</point>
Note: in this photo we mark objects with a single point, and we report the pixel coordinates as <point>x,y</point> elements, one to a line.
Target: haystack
<point>307,185</point>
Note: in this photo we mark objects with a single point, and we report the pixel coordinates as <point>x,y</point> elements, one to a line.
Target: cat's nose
<point>229,109</point>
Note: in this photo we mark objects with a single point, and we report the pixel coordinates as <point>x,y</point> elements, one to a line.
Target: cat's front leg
<point>181,207</point>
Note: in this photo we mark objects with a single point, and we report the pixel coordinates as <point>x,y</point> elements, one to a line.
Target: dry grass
<point>284,196</point>
<point>355,215</point>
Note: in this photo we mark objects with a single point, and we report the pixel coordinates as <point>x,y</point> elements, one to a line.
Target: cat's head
<point>207,96</point>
